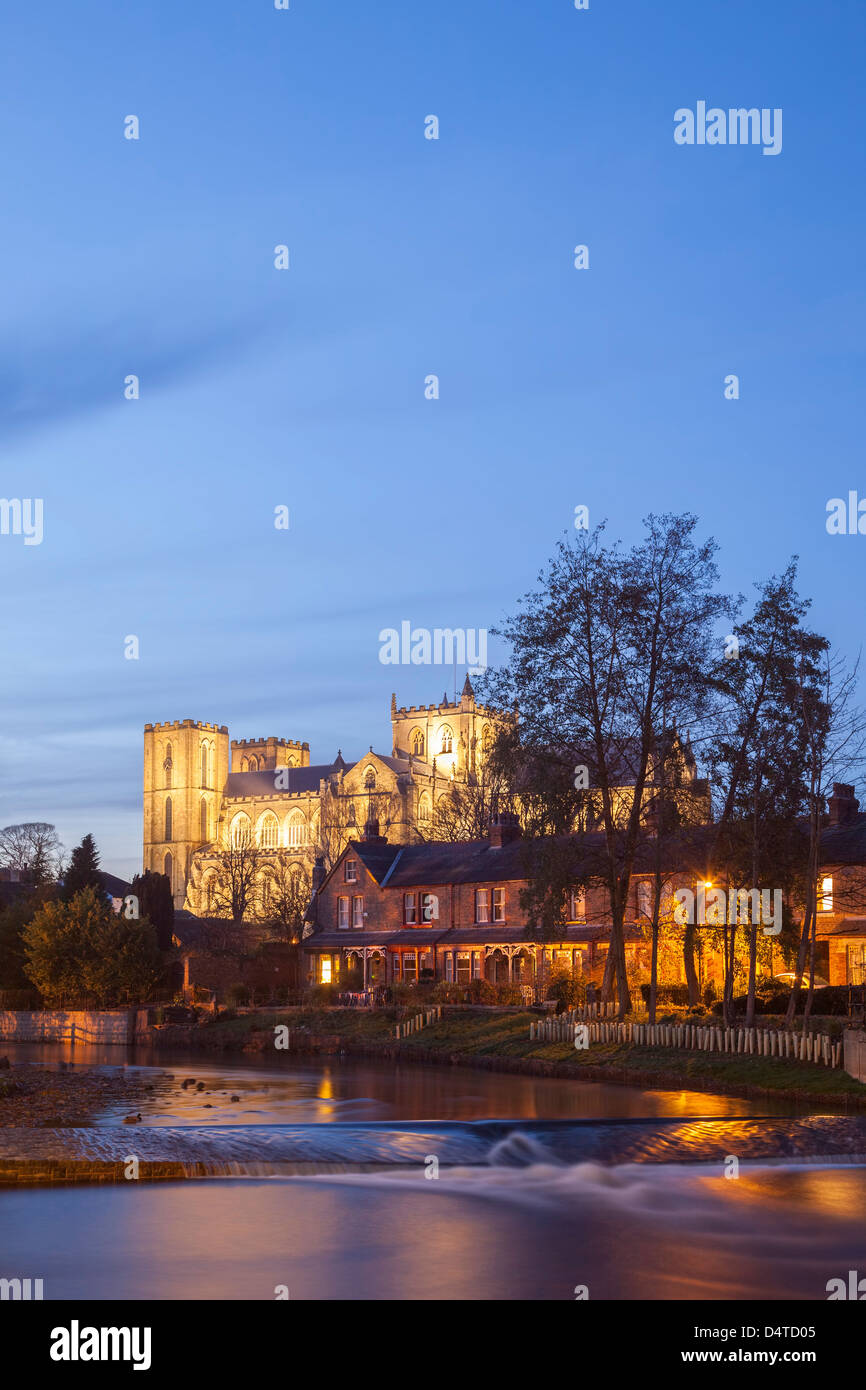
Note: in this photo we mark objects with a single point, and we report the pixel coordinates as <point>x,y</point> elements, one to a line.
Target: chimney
<point>843,804</point>
<point>318,874</point>
<point>504,829</point>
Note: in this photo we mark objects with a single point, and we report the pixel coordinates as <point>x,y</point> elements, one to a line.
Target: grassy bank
<point>500,1041</point>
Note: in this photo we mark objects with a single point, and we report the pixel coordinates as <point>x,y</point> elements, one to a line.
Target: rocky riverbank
<point>33,1097</point>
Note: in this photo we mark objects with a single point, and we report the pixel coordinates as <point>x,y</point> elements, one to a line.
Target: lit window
<point>499,904</point>
<point>351,871</point>
<point>482,905</point>
<point>577,906</point>
<point>445,745</point>
<point>326,970</point>
<point>418,743</point>
<point>825,898</point>
<point>342,912</point>
<point>357,912</point>
<point>269,831</point>
<point>297,829</point>
<point>410,911</point>
<point>241,832</point>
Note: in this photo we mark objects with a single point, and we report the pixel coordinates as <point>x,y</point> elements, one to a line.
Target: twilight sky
<point>409,256</point>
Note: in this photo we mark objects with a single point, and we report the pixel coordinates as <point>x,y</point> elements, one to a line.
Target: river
<point>351,1179</point>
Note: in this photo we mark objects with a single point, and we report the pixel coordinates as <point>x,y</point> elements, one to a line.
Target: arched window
<point>353,820</point>
<point>297,829</point>
<point>254,764</point>
<point>166,867</point>
<point>418,743</point>
<point>424,808</point>
<point>266,891</point>
<point>168,834</point>
<point>370,779</point>
<point>240,836</point>
<point>203,821</point>
<point>210,765</point>
<point>245,766</point>
<point>269,831</point>
<point>209,893</point>
<point>446,739</point>
<point>486,740</point>
<point>204,780</point>
<point>167,765</point>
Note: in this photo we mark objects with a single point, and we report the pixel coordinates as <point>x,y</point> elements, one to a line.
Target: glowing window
<point>326,970</point>
<point>445,740</point>
<point>825,897</point>
<point>269,831</point>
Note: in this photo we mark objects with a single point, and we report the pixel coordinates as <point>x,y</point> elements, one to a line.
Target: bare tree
<point>233,883</point>
<point>34,849</point>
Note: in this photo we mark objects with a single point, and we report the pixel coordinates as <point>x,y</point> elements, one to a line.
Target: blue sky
<point>409,256</point>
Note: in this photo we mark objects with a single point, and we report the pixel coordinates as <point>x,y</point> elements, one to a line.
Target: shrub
<point>668,994</point>
<point>238,995</point>
<point>482,992</point>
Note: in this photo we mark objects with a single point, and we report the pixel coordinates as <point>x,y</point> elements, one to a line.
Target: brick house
<point>451,911</point>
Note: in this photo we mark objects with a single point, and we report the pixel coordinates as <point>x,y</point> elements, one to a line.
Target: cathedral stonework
<point>205,795</point>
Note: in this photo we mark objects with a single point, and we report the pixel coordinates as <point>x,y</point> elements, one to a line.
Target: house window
<point>445,744</point>
<point>463,967</point>
<point>482,905</point>
<point>499,904</point>
<point>350,871</point>
<point>644,899</point>
<point>326,976</point>
<point>342,912</point>
<point>395,966</point>
<point>577,906</point>
<point>476,965</point>
<point>410,910</point>
<point>449,969</point>
<point>357,912</point>
<point>409,966</point>
<point>825,897</point>
<point>429,907</point>
<point>168,834</point>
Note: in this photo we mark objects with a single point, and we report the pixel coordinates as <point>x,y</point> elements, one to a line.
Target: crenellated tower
<point>185,767</point>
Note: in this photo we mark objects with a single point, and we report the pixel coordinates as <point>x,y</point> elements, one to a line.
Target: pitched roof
<point>300,779</point>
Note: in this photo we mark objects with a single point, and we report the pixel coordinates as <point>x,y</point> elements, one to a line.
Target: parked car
<point>788,977</point>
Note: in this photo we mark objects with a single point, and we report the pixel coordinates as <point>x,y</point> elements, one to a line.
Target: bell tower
<point>186,764</point>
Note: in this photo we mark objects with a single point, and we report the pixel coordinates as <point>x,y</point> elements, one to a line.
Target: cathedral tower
<point>185,768</point>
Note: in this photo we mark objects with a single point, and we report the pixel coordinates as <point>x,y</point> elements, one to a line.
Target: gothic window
<point>254,764</point>
<point>269,831</point>
<point>209,893</point>
<point>418,743</point>
<point>203,825</point>
<point>166,865</point>
<point>297,829</point>
<point>370,779</point>
<point>445,746</point>
<point>204,780</point>
<point>240,836</point>
<point>168,834</point>
<point>167,765</point>
<point>210,766</point>
<point>424,808</point>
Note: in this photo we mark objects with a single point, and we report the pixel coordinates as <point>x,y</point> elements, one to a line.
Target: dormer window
<point>351,868</point>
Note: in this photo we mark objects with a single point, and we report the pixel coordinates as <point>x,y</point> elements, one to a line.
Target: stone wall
<point>115,1026</point>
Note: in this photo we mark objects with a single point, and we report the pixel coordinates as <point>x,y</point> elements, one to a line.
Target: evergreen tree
<point>155,902</point>
<point>83,871</point>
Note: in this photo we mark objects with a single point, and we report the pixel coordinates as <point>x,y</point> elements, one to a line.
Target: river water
<point>350,1179</point>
